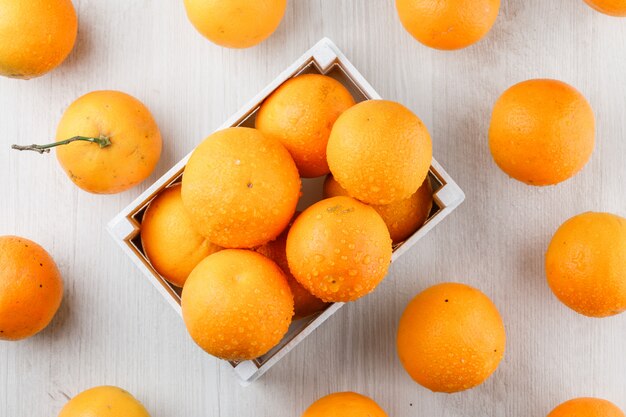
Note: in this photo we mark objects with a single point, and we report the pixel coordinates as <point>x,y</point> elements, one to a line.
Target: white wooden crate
<point>324,58</point>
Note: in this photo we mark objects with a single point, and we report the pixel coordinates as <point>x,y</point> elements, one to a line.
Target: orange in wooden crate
<point>237,304</point>
<point>169,238</point>
<point>323,58</point>
<point>305,303</point>
<point>300,114</point>
<point>379,151</point>
<point>402,217</point>
<point>339,249</point>
<point>240,188</point>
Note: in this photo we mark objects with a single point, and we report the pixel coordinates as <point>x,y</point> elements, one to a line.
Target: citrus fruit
<point>305,303</point>
<point>587,407</point>
<point>104,401</point>
<point>379,151</point>
<point>402,217</point>
<point>31,288</point>
<point>236,23</point>
<point>448,24</point>
<point>169,238</point>
<point>339,249</point>
<point>586,264</point>
<point>300,114</point>
<point>107,142</point>
<point>542,132</point>
<point>240,188</point>
<point>344,404</point>
<point>450,338</point>
<point>35,36</point>
<point>610,7</point>
<point>237,304</point>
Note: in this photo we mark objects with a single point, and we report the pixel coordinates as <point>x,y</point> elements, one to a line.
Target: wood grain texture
<point>113,327</point>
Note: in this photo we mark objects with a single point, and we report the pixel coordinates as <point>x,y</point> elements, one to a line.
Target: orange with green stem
<point>127,138</point>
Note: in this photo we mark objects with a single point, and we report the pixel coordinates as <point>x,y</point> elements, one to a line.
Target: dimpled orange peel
<point>344,404</point>
<point>305,303</point>
<point>235,23</point>
<point>31,288</point>
<point>35,36</point>
<point>240,188</point>
<point>542,132</point>
<point>403,217</point>
<point>104,401</point>
<point>237,304</point>
<point>587,407</point>
<point>448,24</point>
<point>300,114</point>
<point>615,8</point>
<point>451,338</point>
<point>339,249</point>
<point>169,238</point>
<point>586,264</point>
<point>107,142</point>
<point>379,151</point>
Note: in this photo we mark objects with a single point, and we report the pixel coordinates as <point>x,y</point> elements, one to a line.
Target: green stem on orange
<point>102,141</point>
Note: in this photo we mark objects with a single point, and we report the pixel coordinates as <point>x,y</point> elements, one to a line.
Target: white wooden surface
<point>113,327</point>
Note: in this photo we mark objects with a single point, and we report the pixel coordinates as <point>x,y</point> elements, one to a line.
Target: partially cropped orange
<point>403,217</point>
<point>120,118</point>
<point>586,264</point>
<point>240,188</point>
<point>236,23</point>
<point>611,7</point>
<point>451,338</point>
<point>448,24</point>
<point>339,249</point>
<point>542,132</point>
<point>169,238</point>
<point>35,36</point>
<point>587,407</point>
<point>344,404</point>
<point>305,303</point>
<point>104,401</point>
<point>379,151</point>
<point>31,288</point>
<point>300,114</point>
<point>237,304</point>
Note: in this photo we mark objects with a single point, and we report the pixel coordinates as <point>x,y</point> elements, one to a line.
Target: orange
<point>448,24</point>
<point>35,36</point>
<point>586,264</point>
<point>379,151</point>
<point>451,338</point>
<point>31,288</point>
<point>135,142</point>
<point>236,23</point>
<point>305,303</point>
<point>344,404</point>
<point>339,249</point>
<point>240,188</point>
<point>237,304</point>
<point>104,401</point>
<point>542,132</point>
<point>610,7</point>
<point>403,217</point>
<point>169,238</point>
<point>587,407</point>
<point>300,114</point>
